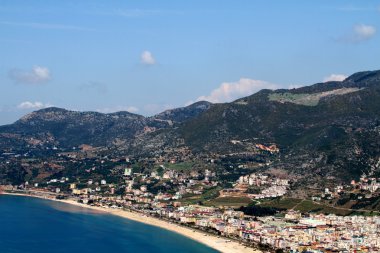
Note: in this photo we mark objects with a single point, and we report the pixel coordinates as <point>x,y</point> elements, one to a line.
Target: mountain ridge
<point>330,129</point>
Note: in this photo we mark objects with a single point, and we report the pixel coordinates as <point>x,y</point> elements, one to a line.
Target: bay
<point>36,225</point>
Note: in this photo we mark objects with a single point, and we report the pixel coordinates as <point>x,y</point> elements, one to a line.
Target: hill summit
<point>327,129</point>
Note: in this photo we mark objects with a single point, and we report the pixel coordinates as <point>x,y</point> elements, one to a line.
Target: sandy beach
<point>221,244</point>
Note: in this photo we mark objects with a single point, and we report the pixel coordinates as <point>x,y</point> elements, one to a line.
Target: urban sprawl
<point>167,191</point>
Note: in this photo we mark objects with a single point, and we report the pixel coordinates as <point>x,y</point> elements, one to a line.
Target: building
<point>128,172</point>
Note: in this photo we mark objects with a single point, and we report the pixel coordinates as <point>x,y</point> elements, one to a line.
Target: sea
<point>31,225</point>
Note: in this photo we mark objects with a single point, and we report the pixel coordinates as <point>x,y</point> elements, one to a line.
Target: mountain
<point>182,114</point>
<point>329,130</point>
<point>64,128</point>
<point>286,116</point>
<point>57,126</point>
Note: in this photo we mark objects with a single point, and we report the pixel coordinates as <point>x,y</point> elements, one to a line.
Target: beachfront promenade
<point>206,237</point>
<point>293,232</point>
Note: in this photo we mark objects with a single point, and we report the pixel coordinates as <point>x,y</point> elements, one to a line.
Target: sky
<point>148,56</point>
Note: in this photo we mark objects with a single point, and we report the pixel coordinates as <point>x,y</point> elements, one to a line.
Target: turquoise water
<point>36,225</point>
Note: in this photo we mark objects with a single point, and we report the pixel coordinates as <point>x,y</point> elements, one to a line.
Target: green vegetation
<point>310,206</point>
<point>367,203</point>
<point>209,194</point>
<point>335,140</point>
<point>308,99</point>
<point>183,166</point>
<point>303,99</point>
<point>255,210</point>
<point>282,203</point>
<point>229,201</point>
<point>305,206</point>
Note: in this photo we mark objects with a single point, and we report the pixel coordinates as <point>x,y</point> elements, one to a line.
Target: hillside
<point>288,116</point>
<point>59,127</point>
<point>331,129</point>
<point>182,114</point>
<point>328,130</point>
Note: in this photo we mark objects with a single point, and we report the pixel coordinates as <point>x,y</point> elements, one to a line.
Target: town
<point>180,191</point>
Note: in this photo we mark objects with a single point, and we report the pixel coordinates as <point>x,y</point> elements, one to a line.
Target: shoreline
<point>223,245</point>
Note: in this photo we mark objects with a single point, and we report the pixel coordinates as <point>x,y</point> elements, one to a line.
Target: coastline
<point>221,244</point>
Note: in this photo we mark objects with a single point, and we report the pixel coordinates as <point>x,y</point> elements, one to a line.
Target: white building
<point>127,171</point>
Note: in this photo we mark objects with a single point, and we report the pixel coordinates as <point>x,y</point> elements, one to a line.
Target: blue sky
<point>148,56</point>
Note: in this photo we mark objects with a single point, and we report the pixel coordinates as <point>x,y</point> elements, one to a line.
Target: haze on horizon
<point>148,56</point>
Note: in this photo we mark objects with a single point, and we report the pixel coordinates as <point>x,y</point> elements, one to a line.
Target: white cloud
<point>359,33</point>
<point>190,102</point>
<point>27,105</point>
<point>228,92</point>
<point>131,109</point>
<point>147,58</point>
<point>364,32</point>
<point>334,77</point>
<point>36,75</point>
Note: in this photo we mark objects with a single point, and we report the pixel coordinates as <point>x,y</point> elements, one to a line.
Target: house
<point>128,172</point>
<point>84,191</point>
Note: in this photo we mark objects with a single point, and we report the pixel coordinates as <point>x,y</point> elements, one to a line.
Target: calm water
<point>35,225</point>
